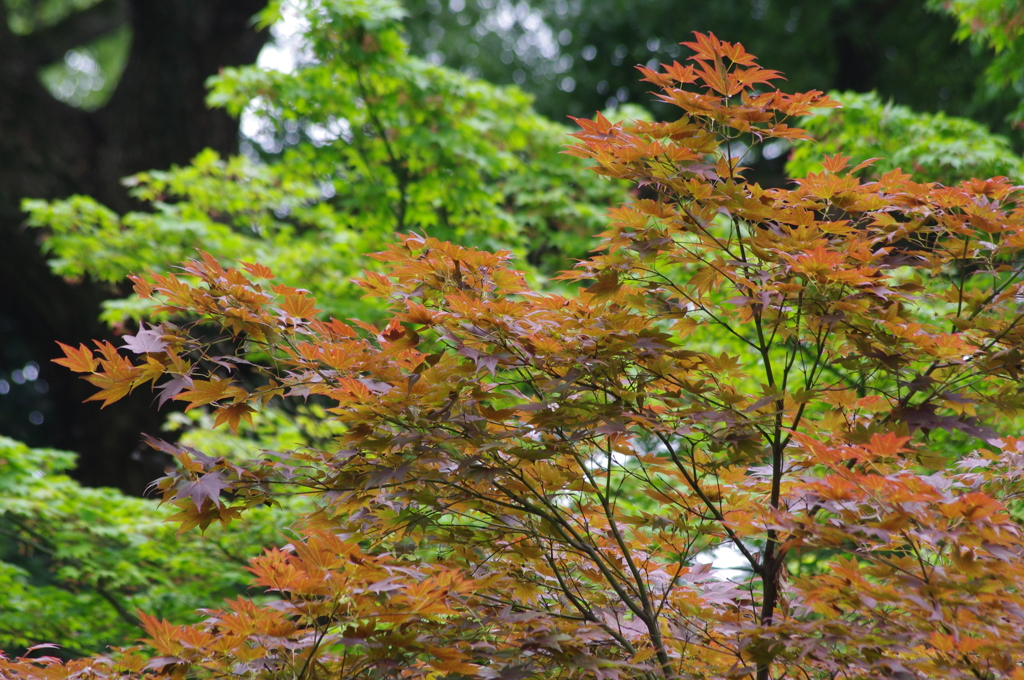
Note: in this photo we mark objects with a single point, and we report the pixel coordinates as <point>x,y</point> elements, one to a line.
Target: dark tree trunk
<point>156,117</point>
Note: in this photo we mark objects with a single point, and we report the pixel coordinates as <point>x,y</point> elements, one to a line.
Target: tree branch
<point>121,610</point>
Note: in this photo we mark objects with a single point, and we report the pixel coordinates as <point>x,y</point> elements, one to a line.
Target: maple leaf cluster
<point>822,380</point>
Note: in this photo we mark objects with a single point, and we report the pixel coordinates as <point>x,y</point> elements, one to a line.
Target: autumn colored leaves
<point>823,380</point>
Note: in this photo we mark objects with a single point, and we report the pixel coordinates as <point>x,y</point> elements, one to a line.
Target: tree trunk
<point>156,117</point>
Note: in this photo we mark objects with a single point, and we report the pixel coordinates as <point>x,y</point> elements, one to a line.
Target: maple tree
<point>822,379</point>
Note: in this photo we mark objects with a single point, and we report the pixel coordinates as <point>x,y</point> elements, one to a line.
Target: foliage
<point>362,141</point>
<point>77,564</point>
<point>771,368</point>
<point>933,146</point>
<point>999,25</point>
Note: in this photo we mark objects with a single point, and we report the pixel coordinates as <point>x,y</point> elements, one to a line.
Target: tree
<point>157,117</point>
<point>529,483</point>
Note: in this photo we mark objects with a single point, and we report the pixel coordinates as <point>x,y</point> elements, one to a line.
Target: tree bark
<point>156,117</point>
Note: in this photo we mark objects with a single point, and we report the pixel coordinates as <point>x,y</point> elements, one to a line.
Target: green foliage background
<point>935,146</point>
<point>77,563</point>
